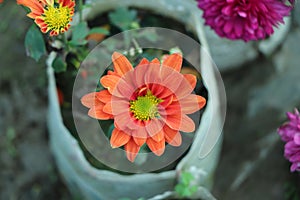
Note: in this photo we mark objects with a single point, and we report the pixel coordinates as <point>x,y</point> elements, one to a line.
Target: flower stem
<point>65,41</point>
<point>80,10</point>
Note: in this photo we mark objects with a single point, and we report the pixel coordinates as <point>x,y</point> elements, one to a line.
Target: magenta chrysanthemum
<point>290,133</point>
<point>244,19</point>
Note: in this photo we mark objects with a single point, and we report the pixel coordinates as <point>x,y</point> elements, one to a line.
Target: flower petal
<point>141,139</point>
<point>172,136</point>
<point>192,103</point>
<point>119,106</point>
<point>124,89</point>
<point>152,74</point>
<point>172,108</point>
<point>118,138</point>
<point>110,82</point>
<point>173,121</point>
<point>155,61</point>
<point>174,61</point>
<point>184,89</point>
<point>99,114</point>
<point>297,139</point>
<point>131,149</point>
<point>167,101</point>
<point>159,136</point>
<point>191,79</point>
<point>187,124</point>
<point>139,73</point>
<point>157,148</point>
<point>108,108</point>
<point>103,96</point>
<point>170,78</point>
<point>155,126</point>
<point>121,64</point>
<point>34,6</point>
<point>121,120</point>
<point>89,99</point>
<point>139,135</point>
<point>156,89</point>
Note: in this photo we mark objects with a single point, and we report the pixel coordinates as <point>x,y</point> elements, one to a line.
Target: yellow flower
<point>50,15</point>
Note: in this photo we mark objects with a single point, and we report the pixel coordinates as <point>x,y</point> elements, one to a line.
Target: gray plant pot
<point>87,182</point>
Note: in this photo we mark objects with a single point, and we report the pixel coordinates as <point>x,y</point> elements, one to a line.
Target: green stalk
<point>80,6</point>
<point>65,41</point>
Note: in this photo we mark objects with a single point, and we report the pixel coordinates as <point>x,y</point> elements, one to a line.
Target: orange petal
<point>124,89</point>
<point>121,64</point>
<point>131,149</point>
<point>139,141</point>
<point>155,61</point>
<point>122,120</point>
<point>34,6</point>
<point>156,89</point>
<point>144,61</point>
<point>172,137</point>
<point>139,72</point>
<point>154,126</point>
<point>103,96</point>
<point>34,15</point>
<point>167,101</point>
<point>184,89</point>
<point>157,148</point>
<point>110,82</point>
<point>172,108</point>
<point>159,136</point>
<point>192,103</point>
<point>112,73</point>
<point>88,100</point>
<point>118,138</point>
<point>152,73</point>
<point>138,131</point>
<point>174,61</point>
<point>99,114</point>
<point>108,108</point>
<point>187,124</point>
<point>174,121</point>
<point>191,79</point>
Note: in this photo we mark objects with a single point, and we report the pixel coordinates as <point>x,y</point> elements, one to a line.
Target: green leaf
<point>184,188</point>
<point>99,30</point>
<point>185,191</point>
<point>179,189</point>
<point>123,18</point>
<point>34,43</point>
<point>193,189</point>
<point>186,178</point>
<point>75,43</point>
<point>59,65</point>
<point>79,33</point>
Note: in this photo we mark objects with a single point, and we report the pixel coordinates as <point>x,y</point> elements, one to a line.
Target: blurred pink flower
<point>244,19</point>
<point>290,133</point>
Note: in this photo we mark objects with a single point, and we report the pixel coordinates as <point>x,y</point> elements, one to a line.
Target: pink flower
<point>244,19</point>
<point>290,133</point>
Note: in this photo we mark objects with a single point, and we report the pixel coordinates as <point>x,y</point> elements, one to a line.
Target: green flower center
<point>145,107</point>
<point>57,18</point>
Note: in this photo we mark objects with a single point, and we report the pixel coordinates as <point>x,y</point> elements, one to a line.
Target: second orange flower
<point>52,16</point>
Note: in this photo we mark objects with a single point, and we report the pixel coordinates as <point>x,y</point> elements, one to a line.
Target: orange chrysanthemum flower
<point>149,103</point>
<point>50,15</point>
